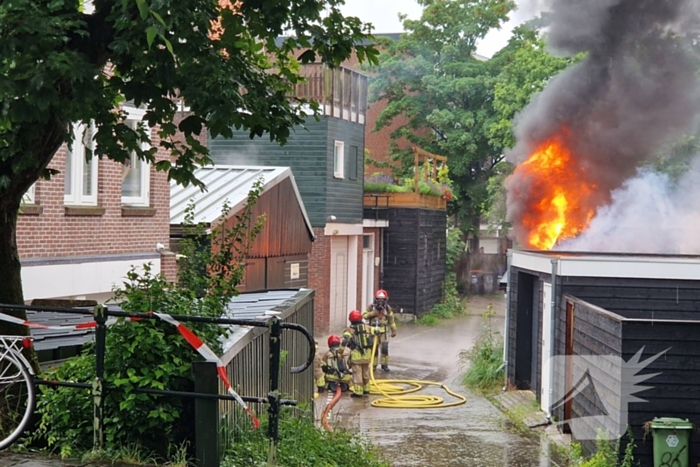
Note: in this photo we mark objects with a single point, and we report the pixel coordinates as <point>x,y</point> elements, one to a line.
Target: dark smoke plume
<point>635,88</point>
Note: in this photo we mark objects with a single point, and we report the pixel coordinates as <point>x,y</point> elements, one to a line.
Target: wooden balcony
<point>341,92</point>
<point>404,200</point>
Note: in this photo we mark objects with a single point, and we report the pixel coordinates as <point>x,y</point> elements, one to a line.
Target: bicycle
<point>17,390</point>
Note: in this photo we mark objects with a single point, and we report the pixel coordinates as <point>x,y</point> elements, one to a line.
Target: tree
<point>59,65</point>
<point>431,77</point>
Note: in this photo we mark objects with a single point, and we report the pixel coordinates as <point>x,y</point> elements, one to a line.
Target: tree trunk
<point>11,280</point>
<point>10,271</point>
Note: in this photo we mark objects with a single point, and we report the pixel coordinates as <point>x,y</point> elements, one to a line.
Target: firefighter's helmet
<point>333,340</point>
<point>355,316</point>
<point>381,294</point>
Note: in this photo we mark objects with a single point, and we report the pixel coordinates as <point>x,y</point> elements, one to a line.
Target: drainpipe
<point>506,334</point>
<point>555,268</point>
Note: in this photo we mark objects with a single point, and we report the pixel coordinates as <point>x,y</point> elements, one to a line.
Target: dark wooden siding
<point>284,230</point>
<point>672,393</point>
<point>306,152</point>
<point>595,333</point>
<point>309,153</point>
<point>414,258</point>
<point>344,196</point>
<point>639,298</point>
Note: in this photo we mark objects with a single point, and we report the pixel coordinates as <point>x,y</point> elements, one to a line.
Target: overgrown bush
<point>484,360</point>
<point>607,453</point>
<point>151,354</point>
<point>303,445</point>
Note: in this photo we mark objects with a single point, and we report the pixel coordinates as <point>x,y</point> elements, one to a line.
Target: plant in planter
<point>382,183</point>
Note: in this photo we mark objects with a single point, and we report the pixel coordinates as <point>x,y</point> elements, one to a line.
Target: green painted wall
<point>309,152</point>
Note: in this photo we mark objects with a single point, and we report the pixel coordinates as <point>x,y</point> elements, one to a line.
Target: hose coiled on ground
<point>395,392</point>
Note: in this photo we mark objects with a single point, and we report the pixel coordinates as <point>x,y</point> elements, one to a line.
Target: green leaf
<point>168,45</point>
<point>158,18</point>
<point>150,35</point>
<point>143,8</point>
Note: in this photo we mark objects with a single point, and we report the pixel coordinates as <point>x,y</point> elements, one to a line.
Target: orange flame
<point>559,197</point>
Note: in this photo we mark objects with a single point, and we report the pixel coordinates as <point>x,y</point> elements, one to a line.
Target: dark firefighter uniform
<point>381,319</point>
<point>358,339</point>
<point>334,365</point>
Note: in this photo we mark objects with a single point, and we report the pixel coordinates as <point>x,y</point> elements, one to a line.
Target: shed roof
<point>621,265</point>
<point>230,183</point>
<point>244,306</point>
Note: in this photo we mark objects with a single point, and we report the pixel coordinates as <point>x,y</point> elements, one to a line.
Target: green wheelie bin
<point>671,441</point>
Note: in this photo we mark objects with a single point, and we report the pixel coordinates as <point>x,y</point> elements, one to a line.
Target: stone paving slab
<point>522,403</point>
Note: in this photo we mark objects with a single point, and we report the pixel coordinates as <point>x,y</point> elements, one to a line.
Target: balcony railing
<point>341,92</point>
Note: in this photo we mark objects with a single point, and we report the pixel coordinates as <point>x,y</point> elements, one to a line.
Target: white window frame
<point>30,196</point>
<point>339,161</point>
<point>134,117</point>
<point>77,154</point>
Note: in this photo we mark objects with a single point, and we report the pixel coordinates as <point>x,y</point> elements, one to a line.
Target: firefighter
<point>319,375</point>
<point>381,319</point>
<point>358,338</point>
<point>335,366</point>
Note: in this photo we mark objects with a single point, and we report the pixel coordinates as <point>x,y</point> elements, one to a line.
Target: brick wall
<point>50,229</point>
<point>320,280</point>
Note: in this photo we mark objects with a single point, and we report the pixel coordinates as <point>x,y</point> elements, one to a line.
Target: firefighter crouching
<point>381,319</point>
<point>335,367</point>
<point>358,339</point>
<point>319,375</point>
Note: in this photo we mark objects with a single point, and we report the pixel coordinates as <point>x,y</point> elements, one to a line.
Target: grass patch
<point>137,455</point>
<point>303,445</point>
<point>484,372</point>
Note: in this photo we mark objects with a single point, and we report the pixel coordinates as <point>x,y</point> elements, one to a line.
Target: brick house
<point>80,232</point>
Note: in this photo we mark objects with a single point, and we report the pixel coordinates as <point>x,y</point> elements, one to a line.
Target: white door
<point>367,269</point>
<point>339,283</point>
<point>545,396</point>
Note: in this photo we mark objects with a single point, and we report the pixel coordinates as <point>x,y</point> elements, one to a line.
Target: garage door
<point>339,283</point>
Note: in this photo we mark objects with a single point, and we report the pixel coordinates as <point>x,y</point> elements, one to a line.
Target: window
<point>81,173</point>
<point>30,196</point>
<point>339,160</point>
<point>367,242</point>
<point>353,170</point>
<point>135,172</point>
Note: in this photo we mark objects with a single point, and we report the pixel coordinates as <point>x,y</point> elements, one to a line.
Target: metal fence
<point>248,363</point>
<point>263,345</point>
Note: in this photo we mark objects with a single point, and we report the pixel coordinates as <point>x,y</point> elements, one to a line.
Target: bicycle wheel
<point>17,399</point>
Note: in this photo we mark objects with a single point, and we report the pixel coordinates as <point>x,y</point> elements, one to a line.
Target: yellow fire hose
<point>394,391</point>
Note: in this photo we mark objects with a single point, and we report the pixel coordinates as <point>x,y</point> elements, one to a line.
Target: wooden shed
<point>414,241</point>
<point>606,341</point>
<point>279,256</point>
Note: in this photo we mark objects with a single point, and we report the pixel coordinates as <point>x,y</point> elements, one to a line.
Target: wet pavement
<point>8,459</point>
<point>475,434</point>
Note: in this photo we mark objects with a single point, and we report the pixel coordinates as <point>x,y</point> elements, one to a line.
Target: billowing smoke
<point>634,89</point>
<point>648,214</point>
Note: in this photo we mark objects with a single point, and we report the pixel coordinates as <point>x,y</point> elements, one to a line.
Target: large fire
<point>558,198</point>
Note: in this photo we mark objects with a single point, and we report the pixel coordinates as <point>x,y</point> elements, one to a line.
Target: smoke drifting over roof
<point>634,89</point>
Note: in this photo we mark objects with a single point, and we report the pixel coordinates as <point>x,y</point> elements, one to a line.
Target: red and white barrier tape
<point>185,332</point>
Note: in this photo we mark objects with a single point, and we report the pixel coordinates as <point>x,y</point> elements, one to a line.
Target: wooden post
<point>416,170</point>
